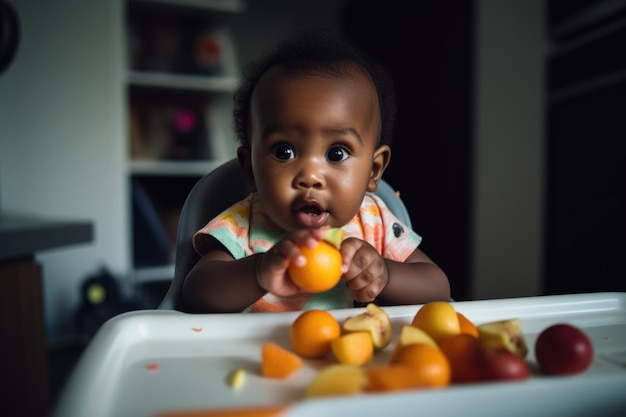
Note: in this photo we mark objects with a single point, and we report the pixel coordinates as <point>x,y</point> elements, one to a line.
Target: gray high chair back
<point>214,193</point>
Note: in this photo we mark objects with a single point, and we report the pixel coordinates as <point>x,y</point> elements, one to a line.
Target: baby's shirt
<point>244,229</point>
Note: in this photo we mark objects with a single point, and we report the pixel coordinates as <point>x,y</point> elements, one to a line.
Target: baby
<point>314,121</point>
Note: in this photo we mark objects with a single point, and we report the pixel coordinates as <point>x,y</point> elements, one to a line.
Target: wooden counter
<point>24,373</point>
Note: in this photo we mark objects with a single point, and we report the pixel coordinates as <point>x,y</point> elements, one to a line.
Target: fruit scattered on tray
<point>278,362</point>
<point>439,347</point>
<point>237,379</point>
<point>563,349</point>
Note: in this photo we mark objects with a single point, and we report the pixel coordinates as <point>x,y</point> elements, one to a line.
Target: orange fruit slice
<point>466,325</point>
<point>278,362</point>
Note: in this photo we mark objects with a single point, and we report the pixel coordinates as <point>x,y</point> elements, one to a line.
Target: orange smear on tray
<point>260,411</point>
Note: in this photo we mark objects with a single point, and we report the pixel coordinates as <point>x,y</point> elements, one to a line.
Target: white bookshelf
<point>161,89</point>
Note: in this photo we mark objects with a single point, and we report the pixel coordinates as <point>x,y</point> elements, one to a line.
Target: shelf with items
<point>179,38</point>
<point>173,168</point>
<point>179,125</point>
<point>181,76</point>
<point>221,83</point>
<point>156,204</point>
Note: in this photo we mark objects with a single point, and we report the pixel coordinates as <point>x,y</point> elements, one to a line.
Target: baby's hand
<point>272,266</point>
<point>365,270</point>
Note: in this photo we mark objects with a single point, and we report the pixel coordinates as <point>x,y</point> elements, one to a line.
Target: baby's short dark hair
<point>321,54</point>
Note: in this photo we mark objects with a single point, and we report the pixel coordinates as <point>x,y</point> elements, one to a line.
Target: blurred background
<point>509,148</point>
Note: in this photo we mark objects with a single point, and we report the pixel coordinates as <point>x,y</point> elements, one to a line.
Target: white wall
<point>509,137</point>
<point>61,130</point>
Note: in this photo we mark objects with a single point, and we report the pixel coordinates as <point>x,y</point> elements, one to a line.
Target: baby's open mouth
<point>311,215</point>
<point>311,210</point>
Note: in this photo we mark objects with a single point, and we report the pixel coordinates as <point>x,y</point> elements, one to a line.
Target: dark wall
<point>428,48</point>
<point>586,189</point>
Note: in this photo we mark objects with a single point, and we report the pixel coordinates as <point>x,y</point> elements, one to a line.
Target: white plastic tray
<point>147,362</point>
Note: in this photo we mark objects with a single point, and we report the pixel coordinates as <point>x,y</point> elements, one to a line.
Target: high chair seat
<point>214,193</point>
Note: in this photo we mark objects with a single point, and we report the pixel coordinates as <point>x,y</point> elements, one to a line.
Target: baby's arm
<point>371,277</point>
<point>417,280</point>
<point>220,284</point>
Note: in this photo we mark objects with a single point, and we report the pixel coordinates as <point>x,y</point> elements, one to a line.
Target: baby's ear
<point>382,157</point>
<point>244,154</point>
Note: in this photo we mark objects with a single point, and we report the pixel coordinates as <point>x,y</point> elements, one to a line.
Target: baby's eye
<point>283,152</point>
<point>337,154</point>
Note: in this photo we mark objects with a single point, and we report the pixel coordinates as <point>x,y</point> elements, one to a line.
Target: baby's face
<point>314,146</point>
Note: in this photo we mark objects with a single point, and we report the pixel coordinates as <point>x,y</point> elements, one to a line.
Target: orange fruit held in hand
<point>312,332</point>
<point>462,351</point>
<point>322,270</point>
<point>438,319</point>
<point>431,367</point>
<point>467,326</point>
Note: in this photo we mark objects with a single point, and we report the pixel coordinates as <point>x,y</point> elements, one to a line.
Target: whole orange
<point>430,365</point>
<point>462,353</point>
<point>312,332</point>
<point>322,270</point>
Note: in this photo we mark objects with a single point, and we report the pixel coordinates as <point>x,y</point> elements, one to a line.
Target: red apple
<point>497,363</point>
<point>563,349</point>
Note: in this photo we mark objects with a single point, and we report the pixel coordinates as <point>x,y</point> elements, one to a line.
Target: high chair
<point>214,193</point>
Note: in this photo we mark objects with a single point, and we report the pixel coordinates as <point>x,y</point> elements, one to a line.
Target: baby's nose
<point>310,176</point>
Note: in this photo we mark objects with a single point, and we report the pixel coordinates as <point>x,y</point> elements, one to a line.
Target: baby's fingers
<point>286,252</point>
<point>349,249</point>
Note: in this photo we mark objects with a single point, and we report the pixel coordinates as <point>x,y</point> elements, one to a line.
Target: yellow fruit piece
<point>337,379</point>
<point>237,379</point>
<point>410,335</point>
<point>438,319</point>
<point>278,362</point>
<point>353,348</point>
<point>375,321</point>
<point>507,333</point>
